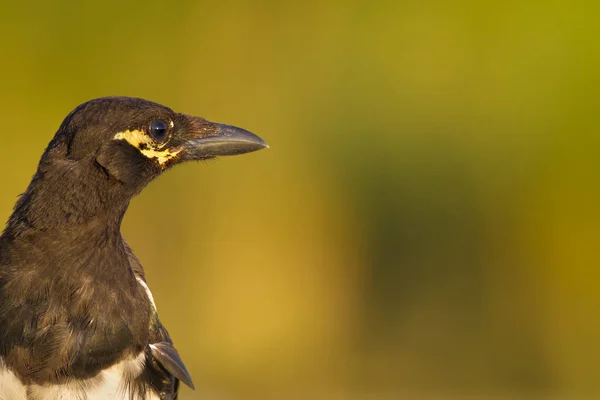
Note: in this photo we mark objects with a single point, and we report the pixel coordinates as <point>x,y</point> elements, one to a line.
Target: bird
<point>77,317</point>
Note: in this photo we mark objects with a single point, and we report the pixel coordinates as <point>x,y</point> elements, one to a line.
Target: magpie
<point>77,319</point>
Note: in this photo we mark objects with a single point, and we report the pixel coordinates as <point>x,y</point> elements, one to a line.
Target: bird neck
<point>62,198</point>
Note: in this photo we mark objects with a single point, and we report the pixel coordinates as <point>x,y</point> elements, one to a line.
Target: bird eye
<point>158,130</point>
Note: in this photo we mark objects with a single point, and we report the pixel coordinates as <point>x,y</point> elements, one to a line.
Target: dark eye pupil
<point>158,130</point>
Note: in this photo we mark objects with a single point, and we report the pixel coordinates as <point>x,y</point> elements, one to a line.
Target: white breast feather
<point>108,384</point>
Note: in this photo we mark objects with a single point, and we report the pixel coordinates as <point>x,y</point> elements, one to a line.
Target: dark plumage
<point>73,298</point>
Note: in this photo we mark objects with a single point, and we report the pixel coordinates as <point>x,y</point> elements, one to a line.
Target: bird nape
<point>77,319</point>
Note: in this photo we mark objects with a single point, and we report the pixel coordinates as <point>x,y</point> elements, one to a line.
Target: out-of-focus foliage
<point>425,223</point>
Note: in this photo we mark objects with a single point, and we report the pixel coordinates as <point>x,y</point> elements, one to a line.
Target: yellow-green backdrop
<point>426,223</point>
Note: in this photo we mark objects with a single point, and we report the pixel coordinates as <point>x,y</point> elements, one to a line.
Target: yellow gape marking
<point>147,146</point>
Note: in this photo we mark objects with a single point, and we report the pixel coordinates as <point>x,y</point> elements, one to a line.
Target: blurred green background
<point>426,223</point>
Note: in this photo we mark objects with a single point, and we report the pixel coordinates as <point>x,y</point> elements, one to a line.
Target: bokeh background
<point>425,225</point>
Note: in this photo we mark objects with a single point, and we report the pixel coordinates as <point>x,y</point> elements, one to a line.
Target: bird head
<point>108,149</point>
<point>134,140</point>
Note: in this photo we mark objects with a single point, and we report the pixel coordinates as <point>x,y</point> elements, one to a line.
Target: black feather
<point>168,356</point>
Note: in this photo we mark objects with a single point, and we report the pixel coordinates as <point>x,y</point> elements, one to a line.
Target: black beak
<point>226,141</point>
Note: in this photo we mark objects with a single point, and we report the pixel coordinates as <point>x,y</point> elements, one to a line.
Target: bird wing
<point>164,364</point>
<point>168,356</point>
